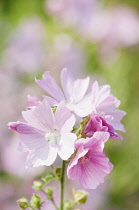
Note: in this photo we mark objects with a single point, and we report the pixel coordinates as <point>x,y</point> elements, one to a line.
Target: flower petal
<point>62,114</point>
<point>68,125</point>
<point>117,117</point>
<point>66,148</point>
<point>80,87</point>
<point>50,86</point>
<point>30,137</point>
<point>40,117</point>
<point>67,83</point>
<point>94,171</point>
<point>44,155</point>
<point>84,107</point>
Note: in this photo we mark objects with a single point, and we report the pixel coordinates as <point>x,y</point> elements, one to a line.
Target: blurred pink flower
<point>90,165</point>
<point>25,50</point>
<point>49,134</point>
<point>71,12</point>
<point>65,52</point>
<point>73,92</point>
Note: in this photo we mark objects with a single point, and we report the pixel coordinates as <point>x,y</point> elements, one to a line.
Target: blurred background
<point>96,37</point>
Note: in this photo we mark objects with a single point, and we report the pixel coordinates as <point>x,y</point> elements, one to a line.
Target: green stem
<point>62,186</point>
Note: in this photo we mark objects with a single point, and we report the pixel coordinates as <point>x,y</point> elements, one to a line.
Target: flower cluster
<point>53,129</point>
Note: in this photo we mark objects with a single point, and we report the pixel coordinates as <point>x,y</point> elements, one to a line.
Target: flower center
<point>52,137</point>
<point>84,159</point>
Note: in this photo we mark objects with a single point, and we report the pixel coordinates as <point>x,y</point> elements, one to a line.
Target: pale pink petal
<point>80,87</point>
<point>95,91</point>
<point>40,117</point>
<point>66,145</point>
<point>101,136</point>
<point>104,92</point>
<point>68,125</point>
<point>50,86</point>
<point>109,104</point>
<point>62,114</point>
<point>51,101</point>
<point>84,107</point>
<point>30,137</point>
<point>67,82</point>
<point>115,122</point>
<point>45,155</point>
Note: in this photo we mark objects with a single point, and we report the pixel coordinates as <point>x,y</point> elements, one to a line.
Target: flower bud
<point>23,203</point>
<point>37,185</point>
<point>80,196</point>
<point>68,205</point>
<point>35,201</point>
<point>49,192</point>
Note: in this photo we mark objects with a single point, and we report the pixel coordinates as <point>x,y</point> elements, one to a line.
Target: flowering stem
<point>62,186</point>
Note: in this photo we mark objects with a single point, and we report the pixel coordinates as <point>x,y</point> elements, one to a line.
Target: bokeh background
<point>100,38</point>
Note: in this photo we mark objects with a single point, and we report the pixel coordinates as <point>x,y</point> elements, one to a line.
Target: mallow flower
<point>105,116</point>
<point>73,92</point>
<point>90,164</point>
<point>45,134</point>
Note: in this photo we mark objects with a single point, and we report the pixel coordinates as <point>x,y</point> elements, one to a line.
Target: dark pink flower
<point>90,165</point>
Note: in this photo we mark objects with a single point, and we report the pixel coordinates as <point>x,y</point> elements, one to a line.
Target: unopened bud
<point>35,201</point>
<point>23,203</point>
<point>80,196</point>
<point>49,192</point>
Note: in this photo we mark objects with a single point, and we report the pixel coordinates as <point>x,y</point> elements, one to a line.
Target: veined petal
<point>94,171</point>
<point>66,145</point>
<point>62,114</point>
<point>80,87</point>
<point>44,155</point>
<point>50,86</point>
<point>109,104</point>
<point>67,83</point>
<point>99,94</point>
<point>51,101</point>
<point>30,137</point>
<point>84,107</point>
<point>40,117</point>
<point>68,125</point>
<point>101,136</point>
<point>117,117</point>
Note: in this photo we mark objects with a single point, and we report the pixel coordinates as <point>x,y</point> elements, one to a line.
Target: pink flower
<point>90,165</point>
<point>46,134</point>
<point>104,106</point>
<point>72,93</point>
